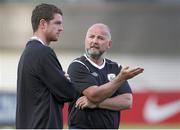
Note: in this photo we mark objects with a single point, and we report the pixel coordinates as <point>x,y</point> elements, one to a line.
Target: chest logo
<point>111,76</point>
<point>94,74</point>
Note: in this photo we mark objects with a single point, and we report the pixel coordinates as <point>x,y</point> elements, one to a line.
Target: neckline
<point>37,38</point>
<point>94,64</point>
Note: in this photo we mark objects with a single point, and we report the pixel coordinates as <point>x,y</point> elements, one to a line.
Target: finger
<point>77,102</point>
<point>126,68</point>
<point>78,105</point>
<point>80,101</point>
<point>137,71</point>
<point>84,106</point>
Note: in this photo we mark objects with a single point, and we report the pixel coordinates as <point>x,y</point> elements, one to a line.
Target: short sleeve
<point>81,76</point>
<point>125,87</point>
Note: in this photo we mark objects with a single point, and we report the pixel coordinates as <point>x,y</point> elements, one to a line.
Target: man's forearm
<point>99,93</point>
<point>120,102</point>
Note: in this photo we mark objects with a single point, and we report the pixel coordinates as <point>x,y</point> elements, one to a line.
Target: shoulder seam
<point>77,61</point>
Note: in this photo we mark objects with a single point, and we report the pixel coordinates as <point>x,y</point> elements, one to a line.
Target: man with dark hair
<point>42,86</point>
<point>103,90</point>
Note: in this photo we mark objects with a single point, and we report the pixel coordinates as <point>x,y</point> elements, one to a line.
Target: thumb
<point>126,67</point>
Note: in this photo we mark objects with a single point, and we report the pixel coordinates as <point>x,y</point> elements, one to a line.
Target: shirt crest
<point>111,76</point>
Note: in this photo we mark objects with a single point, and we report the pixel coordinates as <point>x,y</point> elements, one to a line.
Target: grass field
<point>128,126</point>
<point>146,126</point>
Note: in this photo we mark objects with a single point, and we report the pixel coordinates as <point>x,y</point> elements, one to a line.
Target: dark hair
<point>43,11</point>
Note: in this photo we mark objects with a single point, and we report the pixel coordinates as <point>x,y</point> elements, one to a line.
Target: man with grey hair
<point>101,84</point>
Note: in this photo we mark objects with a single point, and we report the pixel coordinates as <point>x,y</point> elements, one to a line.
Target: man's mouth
<point>94,47</point>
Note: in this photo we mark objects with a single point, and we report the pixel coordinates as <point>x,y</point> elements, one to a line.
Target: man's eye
<point>59,23</point>
<point>91,36</point>
<point>101,38</point>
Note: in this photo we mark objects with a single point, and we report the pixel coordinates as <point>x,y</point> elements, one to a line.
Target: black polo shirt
<point>84,73</point>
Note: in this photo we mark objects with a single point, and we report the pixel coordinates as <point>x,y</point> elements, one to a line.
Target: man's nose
<point>95,40</point>
<point>61,28</point>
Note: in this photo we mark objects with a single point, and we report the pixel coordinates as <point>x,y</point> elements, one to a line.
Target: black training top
<point>84,73</point>
<point>42,88</point>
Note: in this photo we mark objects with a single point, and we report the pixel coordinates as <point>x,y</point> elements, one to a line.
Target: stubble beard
<point>52,38</point>
<point>95,55</point>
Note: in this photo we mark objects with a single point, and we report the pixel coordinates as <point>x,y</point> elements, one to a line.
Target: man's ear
<point>110,44</point>
<point>42,24</point>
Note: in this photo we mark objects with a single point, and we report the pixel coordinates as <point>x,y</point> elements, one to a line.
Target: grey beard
<point>94,56</point>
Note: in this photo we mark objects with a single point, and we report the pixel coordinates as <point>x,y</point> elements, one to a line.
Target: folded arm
<point>120,102</point>
<point>97,94</point>
<point>117,103</point>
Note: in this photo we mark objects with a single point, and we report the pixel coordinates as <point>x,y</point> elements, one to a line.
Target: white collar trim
<point>95,65</point>
<point>36,38</point>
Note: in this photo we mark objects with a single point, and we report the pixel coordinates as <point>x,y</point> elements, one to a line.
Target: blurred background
<point>145,33</point>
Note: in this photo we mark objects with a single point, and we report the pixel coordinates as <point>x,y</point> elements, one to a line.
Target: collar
<point>95,65</point>
<point>37,38</point>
